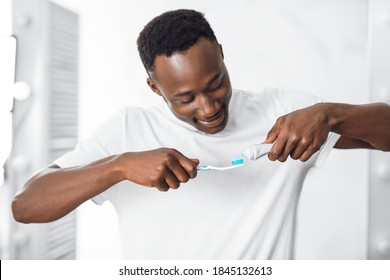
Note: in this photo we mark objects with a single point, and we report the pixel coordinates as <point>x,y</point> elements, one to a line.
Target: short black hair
<point>172,32</point>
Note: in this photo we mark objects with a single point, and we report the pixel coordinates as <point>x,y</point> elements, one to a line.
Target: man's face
<point>196,85</point>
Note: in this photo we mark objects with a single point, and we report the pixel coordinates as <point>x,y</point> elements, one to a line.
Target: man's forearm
<point>366,123</point>
<point>54,192</point>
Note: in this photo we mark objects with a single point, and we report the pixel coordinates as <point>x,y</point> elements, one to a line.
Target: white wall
<point>5,125</point>
<point>5,17</point>
<point>311,45</point>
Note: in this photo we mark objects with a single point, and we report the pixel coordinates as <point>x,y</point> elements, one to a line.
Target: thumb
<point>271,137</point>
<point>196,161</point>
<point>194,173</point>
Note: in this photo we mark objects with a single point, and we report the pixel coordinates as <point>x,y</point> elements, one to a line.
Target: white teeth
<point>215,122</point>
<point>205,122</point>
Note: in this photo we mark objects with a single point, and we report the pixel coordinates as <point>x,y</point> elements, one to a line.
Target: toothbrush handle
<point>203,167</point>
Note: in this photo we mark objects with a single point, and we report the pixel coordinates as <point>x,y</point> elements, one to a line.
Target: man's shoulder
<point>139,112</point>
<point>264,95</point>
<point>284,98</point>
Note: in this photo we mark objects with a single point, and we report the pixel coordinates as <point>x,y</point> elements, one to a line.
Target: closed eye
<point>187,100</point>
<point>211,89</point>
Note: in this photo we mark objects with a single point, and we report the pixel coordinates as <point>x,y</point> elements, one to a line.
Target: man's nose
<point>207,106</point>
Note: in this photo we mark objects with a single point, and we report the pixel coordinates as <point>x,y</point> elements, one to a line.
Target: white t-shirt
<point>243,213</point>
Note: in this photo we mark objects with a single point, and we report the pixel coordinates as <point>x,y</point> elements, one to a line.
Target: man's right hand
<point>162,168</point>
<point>54,192</point>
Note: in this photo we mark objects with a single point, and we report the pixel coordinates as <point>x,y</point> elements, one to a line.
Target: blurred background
<point>77,63</point>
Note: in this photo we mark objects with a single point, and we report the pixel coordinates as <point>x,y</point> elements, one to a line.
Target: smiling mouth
<point>215,120</point>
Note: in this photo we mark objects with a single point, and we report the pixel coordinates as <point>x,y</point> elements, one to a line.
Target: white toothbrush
<point>236,162</point>
<point>210,167</point>
<point>252,152</point>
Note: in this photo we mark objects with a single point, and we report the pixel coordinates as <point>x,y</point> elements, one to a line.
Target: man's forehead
<point>202,57</point>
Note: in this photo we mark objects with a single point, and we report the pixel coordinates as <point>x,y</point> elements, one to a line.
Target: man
<point>245,213</point>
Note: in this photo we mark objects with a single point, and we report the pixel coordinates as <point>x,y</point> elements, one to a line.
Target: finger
<point>194,172</point>
<point>288,149</point>
<point>272,135</point>
<point>276,150</point>
<point>174,172</point>
<point>171,180</point>
<point>189,167</point>
<point>309,152</point>
<point>178,172</point>
<point>196,161</point>
<point>299,149</point>
<point>294,147</point>
<point>172,164</point>
<point>162,186</point>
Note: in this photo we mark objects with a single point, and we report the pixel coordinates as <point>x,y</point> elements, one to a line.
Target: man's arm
<point>361,126</point>
<point>54,192</point>
<point>302,133</point>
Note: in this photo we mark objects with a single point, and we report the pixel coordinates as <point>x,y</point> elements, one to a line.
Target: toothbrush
<point>236,162</point>
<point>251,152</point>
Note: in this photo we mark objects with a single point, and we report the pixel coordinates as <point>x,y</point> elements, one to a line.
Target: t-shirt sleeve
<point>323,153</point>
<point>106,140</point>
<point>295,100</point>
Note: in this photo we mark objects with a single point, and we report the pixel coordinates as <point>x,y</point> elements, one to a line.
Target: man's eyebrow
<point>181,94</point>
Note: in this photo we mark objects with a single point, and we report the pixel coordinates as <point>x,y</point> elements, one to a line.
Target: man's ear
<point>221,49</point>
<point>153,86</point>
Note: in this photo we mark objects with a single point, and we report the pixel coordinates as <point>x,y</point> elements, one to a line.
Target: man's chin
<point>214,131</point>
